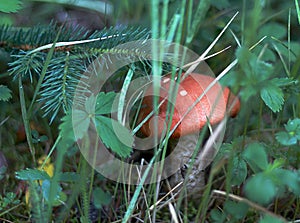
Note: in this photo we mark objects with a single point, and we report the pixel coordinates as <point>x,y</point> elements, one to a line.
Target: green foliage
<point>120,143</point>
<point>256,157</point>
<point>298,10</point>
<point>5,93</point>
<point>260,188</point>
<point>270,219</point>
<point>239,171</point>
<point>67,65</point>
<point>104,103</point>
<point>7,200</point>
<point>32,175</point>
<point>235,211</point>
<point>262,163</point>
<point>9,6</point>
<point>292,133</point>
<point>256,80</point>
<point>36,138</point>
<point>268,183</point>
<point>270,179</point>
<point>113,134</point>
<point>100,197</point>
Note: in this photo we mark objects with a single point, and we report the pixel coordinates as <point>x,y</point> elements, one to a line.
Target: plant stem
<point>26,120</point>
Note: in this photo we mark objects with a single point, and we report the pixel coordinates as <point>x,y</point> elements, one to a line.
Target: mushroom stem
<point>191,176</point>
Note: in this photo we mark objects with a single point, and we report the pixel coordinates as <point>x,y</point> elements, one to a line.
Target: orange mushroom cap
<point>190,114</point>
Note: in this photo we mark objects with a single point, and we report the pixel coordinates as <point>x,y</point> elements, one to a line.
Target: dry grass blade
<point>250,203</point>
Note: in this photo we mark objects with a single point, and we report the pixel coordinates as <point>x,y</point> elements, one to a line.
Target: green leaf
<point>114,135</point>
<point>8,6</point>
<point>291,179</point>
<point>256,157</point>
<point>282,82</point>
<point>293,126</point>
<point>292,133</point>
<point>32,174</point>
<point>239,171</point>
<point>260,189</point>
<point>46,187</point>
<point>285,139</point>
<point>273,29</point>
<point>270,219</point>
<point>66,131</point>
<point>272,95</point>
<point>80,123</point>
<point>5,93</point>
<point>236,209</point>
<point>217,216</point>
<point>100,197</point>
<point>104,103</point>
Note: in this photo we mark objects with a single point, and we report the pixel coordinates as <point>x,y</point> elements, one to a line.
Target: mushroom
<point>199,99</point>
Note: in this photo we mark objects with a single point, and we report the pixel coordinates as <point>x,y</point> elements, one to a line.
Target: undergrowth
<point>45,170</point>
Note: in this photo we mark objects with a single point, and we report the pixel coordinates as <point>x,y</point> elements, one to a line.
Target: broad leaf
<point>114,135</point>
<point>292,133</point>
<point>285,138</point>
<point>256,157</point>
<point>236,209</point>
<point>104,103</point>
<point>100,197</point>
<point>272,95</point>
<point>239,171</point>
<point>290,178</point>
<point>32,174</point>
<point>260,189</point>
<point>8,6</point>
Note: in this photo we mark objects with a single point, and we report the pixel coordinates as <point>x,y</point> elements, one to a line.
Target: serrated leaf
<point>5,93</point>
<point>260,189</point>
<point>114,135</point>
<point>273,97</point>
<point>8,6</point>
<point>104,103</point>
<point>100,197</point>
<point>256,157</point>
<point>285,139</point>
<point>292,134</point>
<point>239,171</point>
<point>32,174</point>
<point>293,126</point>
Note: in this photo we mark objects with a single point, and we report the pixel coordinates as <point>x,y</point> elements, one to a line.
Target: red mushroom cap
<point>189,116</point>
